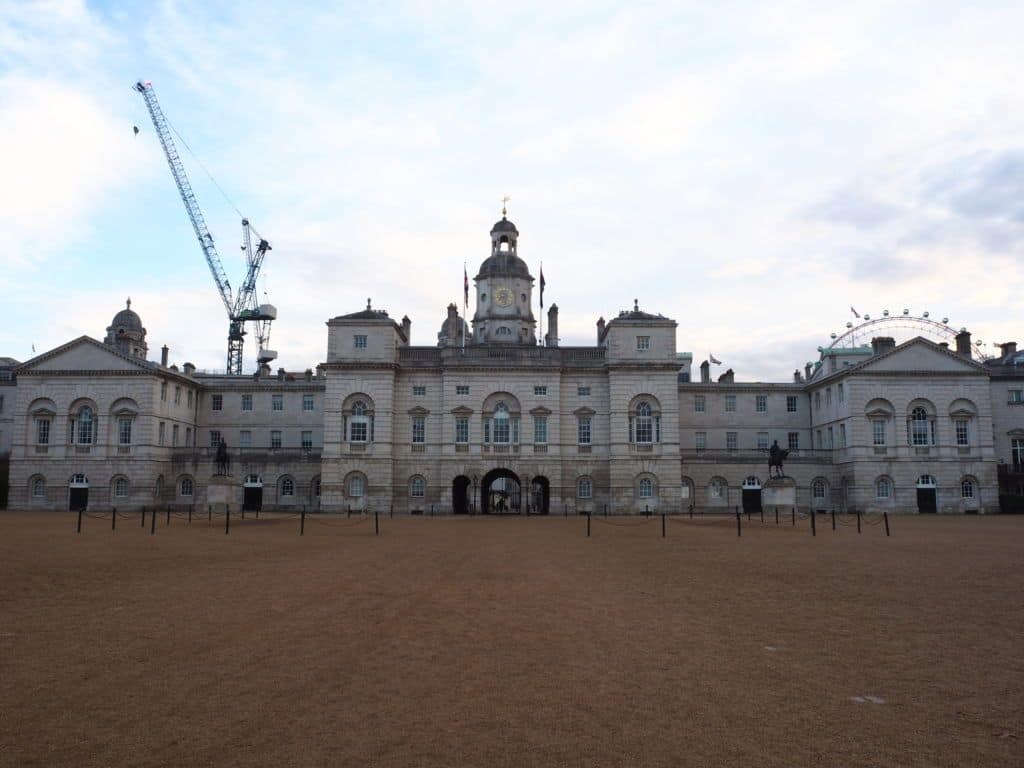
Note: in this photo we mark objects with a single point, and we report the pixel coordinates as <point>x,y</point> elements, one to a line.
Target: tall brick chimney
<point>705,372</point>
<point>963,343</point>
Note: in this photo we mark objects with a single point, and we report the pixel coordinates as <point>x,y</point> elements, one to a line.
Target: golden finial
<point>504,203</point>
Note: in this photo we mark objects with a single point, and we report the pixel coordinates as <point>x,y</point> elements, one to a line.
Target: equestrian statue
<point>776,456</point>
<point>223,459</point>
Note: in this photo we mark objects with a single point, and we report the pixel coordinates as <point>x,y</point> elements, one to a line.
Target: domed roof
<point>504,226</point>
<point>127,319</point>
<point>504,263</point>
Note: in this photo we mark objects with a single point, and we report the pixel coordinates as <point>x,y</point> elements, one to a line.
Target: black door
<point>752,500</point>
<point>78,498</point>
<point>926,500</point>
<point>540,493</point>
<point>460,495</point>
<point>252,499</point>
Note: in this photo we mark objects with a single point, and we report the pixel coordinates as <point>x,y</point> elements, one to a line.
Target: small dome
<point>504,226</point>
<point>505,264</point>
<point>127,319</point>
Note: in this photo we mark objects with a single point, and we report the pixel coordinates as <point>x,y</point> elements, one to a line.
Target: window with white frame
<point>730,403</point>
<point>831,440</point>
<point>174,434</point>
<point>1016,395</point>
<point>967,488</point>
<point>762,441</point>
<point>962,434</point>
<point>462,429</point>
<point>793,441</point>
<point>356,486</point>
<point>419,391</point>
<point>716,488</point>
<point>84,426</point>
<point>583,391</point>
<point>121,488</point>
<point>540,429</point>
<point>359,423</point>
<point>842,435</point>
<point>307,439</point>
<point>541,390</point>
<point>699,404</point>
<point>177,395</point>
<point>42,431</point>
<point>287,487</point>
<point>462,389</point>
<point>878,432</point>
<point>277,402</point>
<point>818,490</point>
<point>828,395</point>
<point>584,488</point>
<point>821,441</point>
<point>214,438</point>
<point>161,432</point>
<point>790,403</point>
<point>817,400</point>
<point>645,488</point>
<point>188,436</point>
<point>163,391</point>
<point>1017,454</point>
<point>186,486</point>
<point>419,429</point>
<point>359,341</point>
<point>189,399</point>
<point>920,427</point>
<point>502,425</point>
<point>761,403</point>
<point>418,487</point>
<point>643,342</point>
<point>245,438</point>
<point>700,440</point>
<point>216,402</point>
<point>731,441</point>
<point>883,488</point>
<point>583,430</point>
<point>246,402</point>
<point>307,402</point>
<point>643,424</point>
<point>38,487</point>
<point>275,438</point>
<point>840,392</point>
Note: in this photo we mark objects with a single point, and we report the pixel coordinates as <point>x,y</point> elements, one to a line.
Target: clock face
<point>503,297</point>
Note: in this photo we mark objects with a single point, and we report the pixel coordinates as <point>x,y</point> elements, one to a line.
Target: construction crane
<point>242,307</point>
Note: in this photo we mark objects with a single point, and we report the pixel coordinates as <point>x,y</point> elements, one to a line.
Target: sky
<point>752,170</point>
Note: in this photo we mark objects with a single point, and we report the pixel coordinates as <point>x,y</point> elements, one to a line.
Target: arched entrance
<point>752,495</point>
<point>500,493</point>
<point>926,493</point>
<point>252,493</point>
<point>78,492</point>
<point>460,495</point>
<point>540,495</point>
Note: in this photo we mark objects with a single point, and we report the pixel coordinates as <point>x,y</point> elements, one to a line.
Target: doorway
<point>927,503</point>
<point>252,494</point>
<point>500,493</point>
<point>78,493</point>
<point>460,495</point>
<point>752,495</point>
<point>540,495</point>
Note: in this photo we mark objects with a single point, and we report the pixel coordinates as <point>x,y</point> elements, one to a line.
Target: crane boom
<point>188,197</point>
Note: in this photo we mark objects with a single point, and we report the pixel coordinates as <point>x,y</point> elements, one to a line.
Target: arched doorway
<point>252,494</point>
<point>460,495</point>
<point>500,493</point>
<point>540,495</point>
<point>752,495</point>
<point>78,492</point>
<point>926,493</point>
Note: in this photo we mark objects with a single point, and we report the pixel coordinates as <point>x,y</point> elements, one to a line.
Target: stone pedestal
<point>779,492</point>
<point>221,490</point>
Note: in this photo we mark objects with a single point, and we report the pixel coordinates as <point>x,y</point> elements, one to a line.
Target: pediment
<point>462,411</point>
<point>84,354</point>
<point>540,410</point>
<point>919,356</point>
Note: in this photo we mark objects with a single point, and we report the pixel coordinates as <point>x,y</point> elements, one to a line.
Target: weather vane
<point>504,203</point>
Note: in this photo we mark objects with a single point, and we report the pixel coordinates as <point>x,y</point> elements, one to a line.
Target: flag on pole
<point>855,313</point>
<point>714,359</point>
<point>465,286</point>
<point>542,284</point>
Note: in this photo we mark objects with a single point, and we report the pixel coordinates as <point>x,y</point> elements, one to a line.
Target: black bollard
<point>243,511</point>
<point>143,523</point>
<point>152,522</point>
<point>565,509</point>
<point>190,514</point>
<point>606,510</point>
<point>168,515</point>
<point>776,515</point>
<point>302,523</point>
<point>762,514</point>
<point>79,520</point>
<point>814,525</point>
<point>349,511</point>
<point>792,516</point>
<point>376,524</point>
<point>588,525</point>
<point>209,512</point>
<point>227,518</point>
<point>431,510</point>
<point>858,521</point>
<point>391,513</point>
<point>691,511</point>
<point>885,516</point>
<point>738,524</point>
<point>257,513</point>
<point>113,519</point>
<point>647,510</point>
<point>833,519</point>
<point>663,525</point>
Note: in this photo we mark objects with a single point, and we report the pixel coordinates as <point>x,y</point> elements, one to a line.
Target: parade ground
<point>510,642</point>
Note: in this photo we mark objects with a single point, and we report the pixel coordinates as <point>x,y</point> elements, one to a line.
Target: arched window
<point>819,490</point>
<point>253,480</point>
<point>85,426</point>
<point>926,481</point>
<point>186,486</point>
<point>644,424</point>
<point>752,482</point>
<point>356,486</point>
<point>38,487</point>
<point>502,424</point>
<point>503,330</point>
<point>417,487</point>
<point>922,428</point>
<point>967,488</point>
<point>716,488</point>
<point>584,488</point>
<point>287,487</point>
<point>121,488</point>
<point>359,423</point>
<point>645,488</point>
<point>883,488</point>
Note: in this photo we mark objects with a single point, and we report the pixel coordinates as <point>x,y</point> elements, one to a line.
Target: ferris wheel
<point>902,327</point>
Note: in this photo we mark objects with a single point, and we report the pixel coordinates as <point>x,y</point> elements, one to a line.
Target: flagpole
<point>541,340</point>
<point>465,304</point>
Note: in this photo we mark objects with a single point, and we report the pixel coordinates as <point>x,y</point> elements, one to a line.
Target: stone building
<point>488,420</point>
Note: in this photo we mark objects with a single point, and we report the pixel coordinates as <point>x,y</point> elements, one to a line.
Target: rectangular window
<point>174,434</point>
<point>1017,454</point>
<point>700,440</point>
<point>214,438</point>
<point>583,430</point>
<point>828,395</point>
<point>277,402</point>
<point>730,403</point>
<point>419,429</point>
<point>761,403</point>
<point>540,429</point>
<point>840,392</point>
<point>830,436</point>
<point>359,429</point>
<point>161,430</point>
<point>246,402</point>
<point>878,432</point>
<point>177,395</point>
<point>961,432</point>
<point>793,441</point>
<point>43,431</point>
<point>817,401</point>
<point>216,402</point>
<point>188,399</point>
<point>360,341</point>
<point>699,404</point>
<point>842,435</point>
<point>462,389</point>
<point>731,441</point>
<point>790,403</point>
<point>462,429</point>
<point>188,436</point>
<point>245,438</point>
<point>540,390</point>
<point>643,342</point>
<point>419,391</point>
<point>1017,395</point>
<point>275,438</point>
<point>307,402</point>
<point>163,391</point>
<point>762,441</point>
<point>583,391</point>
<point>821,442</point>
<point>307,439</point>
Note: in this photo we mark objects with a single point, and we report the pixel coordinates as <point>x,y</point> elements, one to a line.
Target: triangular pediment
<point>920,356</point>
<point>84,354</point>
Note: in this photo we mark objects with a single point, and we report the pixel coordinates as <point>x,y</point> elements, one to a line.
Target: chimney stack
<point>164,351</point>
<point>407,329</point>
<point>551,337</point>
<point>600,329</point>
<point>797,378</point>
<point>264,372</point>
<point>944,344</point>
<point>453,325</point>
<point>1008,348</point>
<point>727,377</point>
<point>280,374</point>
<point>189,369</point>
<point>309,374</point>
<point>705,372</point>
<point>963,343</point>
<point>882,344</point>
<point>807,372</point>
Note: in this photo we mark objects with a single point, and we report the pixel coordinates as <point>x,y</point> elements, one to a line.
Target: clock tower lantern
<point>504,292</point>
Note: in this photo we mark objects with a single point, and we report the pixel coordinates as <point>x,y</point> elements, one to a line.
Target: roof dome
<point>127,319</point>
<point>504,226</point>
<point>506,264</point>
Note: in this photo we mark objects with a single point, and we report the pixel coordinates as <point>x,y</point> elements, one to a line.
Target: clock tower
<point>504,292</point>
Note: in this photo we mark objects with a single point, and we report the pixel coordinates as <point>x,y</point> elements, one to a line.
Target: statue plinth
<point>779,492</point>
<point>221,490</point>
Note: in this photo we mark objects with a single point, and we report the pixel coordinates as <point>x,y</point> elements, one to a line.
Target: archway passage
<point>500,493</point>
<point>460,495</point>
<point>540,495</point>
